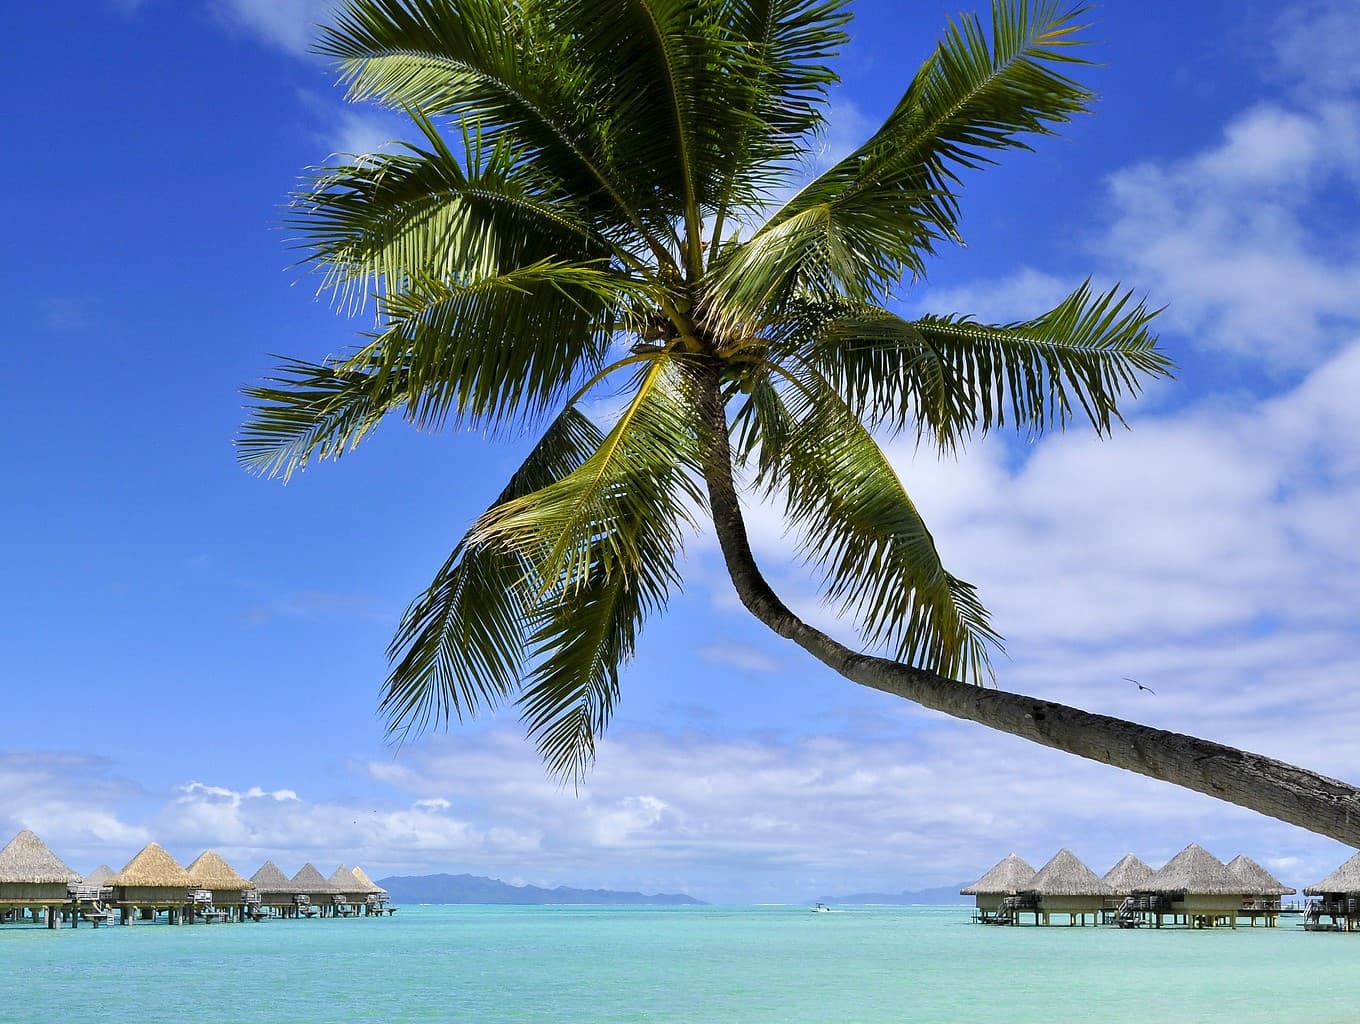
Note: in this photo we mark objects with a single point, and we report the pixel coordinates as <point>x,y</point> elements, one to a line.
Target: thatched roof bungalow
<point>31,873</point>
<point>1203,889</point>
<point>1007,878</point>
<point>1192,871</point>
<point>310,881</point>
<point>274,887</point>
<point>374,895</point>
<point>1067,886</point>
<point>99,876</point>
<point>366,884</point>
<point>1343,883</point>
<point>151,880</point>
<point>348,886</point>
<point>344,881</point>
<point>209,871</point>
<point>1066,875</point>
<point>1128,876</point>
<point>1340,903</point>
<point>1254,880</point>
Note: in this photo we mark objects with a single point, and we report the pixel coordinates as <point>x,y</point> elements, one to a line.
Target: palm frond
<point>496,348</point>
<point>600,546</point>
<point>462,644</point>
<point>860,529</point>
<point>372,224</point>
<point>955,376</point>
<point>312,410</point>
<point>510,68</point>
<point>878,213</point>
<point>781,85</point>
<point>705,99</point>
<point>645,463</point>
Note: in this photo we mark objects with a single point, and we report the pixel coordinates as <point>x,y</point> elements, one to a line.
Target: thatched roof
<point>270,879</point>
<point>209,871</point>
<point>367,884</point>
<point>1065,875</point>
<point>1194,870</point>
<point>1344,879</point>
<point>1129,875</point>
<point>153,868</point>
<point>343,879</point>
<point>99,876</point>
<point>309,880</point>
<point>1255,879</point>
<point>26,859</point>
<point>1007,877</point>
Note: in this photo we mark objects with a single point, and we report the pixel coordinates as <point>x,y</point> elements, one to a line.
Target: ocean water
<point>669,965</point>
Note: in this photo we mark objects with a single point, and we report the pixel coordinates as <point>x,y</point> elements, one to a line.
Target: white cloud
<point>745,658</point>
<point>364,132</point>
<point>287,24</point>
<point>1242,240</point>
<point>935,803</point>
<point>1020,295</point>
<point>923,800</point>
<point>255,792</point>
<point>1234,262</point>
<point>1315,45</point>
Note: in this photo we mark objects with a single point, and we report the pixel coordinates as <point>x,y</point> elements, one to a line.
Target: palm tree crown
<point>601,197</point>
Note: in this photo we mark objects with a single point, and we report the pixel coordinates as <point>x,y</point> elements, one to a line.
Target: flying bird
<point>1140,686</point>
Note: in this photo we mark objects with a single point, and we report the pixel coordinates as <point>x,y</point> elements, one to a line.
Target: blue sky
<point>193,655</point>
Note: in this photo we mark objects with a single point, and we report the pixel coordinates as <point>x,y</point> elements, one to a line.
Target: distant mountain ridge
<point>944,895</point>
<point>478,889</point>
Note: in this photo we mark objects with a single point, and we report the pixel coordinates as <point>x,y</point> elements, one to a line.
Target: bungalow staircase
<point>1128,914</point>
<point>1008,912</point>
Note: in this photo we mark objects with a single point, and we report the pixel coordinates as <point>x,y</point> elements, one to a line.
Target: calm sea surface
<point>692,965</point>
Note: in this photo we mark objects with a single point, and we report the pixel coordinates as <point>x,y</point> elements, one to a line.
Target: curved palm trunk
<point>1300,797</point>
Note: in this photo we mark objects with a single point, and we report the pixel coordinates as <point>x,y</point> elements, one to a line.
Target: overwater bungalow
<point>375,896</point>
<point>1258,890</point>
<point>1127,876</point>
<point>33,879</point>
<point>997,892</point>
<point>150,883</point>
<point>1067,886</point>
<point>225,890</point>
<point>320,893</point>
<point>1338,908</point>
<point>1193,888</point>
<point>99,876</point>
<point>278,895</point>
<point>349,899</point>
<point>1128,903</point>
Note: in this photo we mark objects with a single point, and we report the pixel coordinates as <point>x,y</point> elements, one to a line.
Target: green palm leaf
<point>373,224</point>
<point>313,410</point>
<point>462,644</point>
<point>955,375</point>
<point>496,348</point>
<point>858,227</point>
<point>644,464</point>
<point>509,67</point>
<point>860,529</point>
<point>600,547</point>
<point>784,78</point>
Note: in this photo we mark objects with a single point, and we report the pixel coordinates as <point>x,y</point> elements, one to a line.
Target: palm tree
<point>600,203</point>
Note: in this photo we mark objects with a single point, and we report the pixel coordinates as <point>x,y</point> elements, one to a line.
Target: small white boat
<point>821,908</point>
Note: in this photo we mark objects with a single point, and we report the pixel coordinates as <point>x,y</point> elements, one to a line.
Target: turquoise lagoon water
<point>671,965</point>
